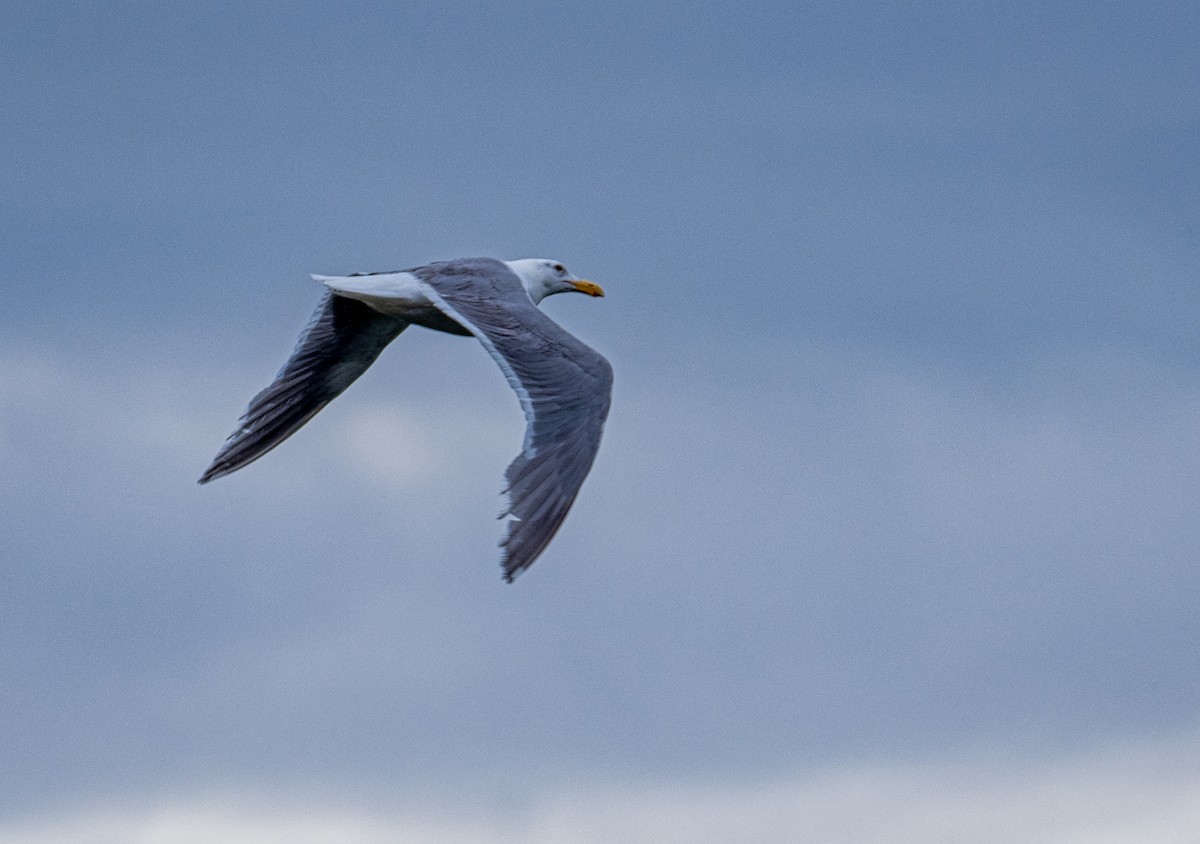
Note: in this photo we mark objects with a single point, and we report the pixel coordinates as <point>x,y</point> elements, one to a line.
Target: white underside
<point>394,294</point>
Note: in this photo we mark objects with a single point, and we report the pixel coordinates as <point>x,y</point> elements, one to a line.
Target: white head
<point>543,277</point>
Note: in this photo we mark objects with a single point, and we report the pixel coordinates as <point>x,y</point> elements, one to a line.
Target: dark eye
<point>559,268</point>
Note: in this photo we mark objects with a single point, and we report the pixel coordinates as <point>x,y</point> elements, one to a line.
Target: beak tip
<point>589,287</point>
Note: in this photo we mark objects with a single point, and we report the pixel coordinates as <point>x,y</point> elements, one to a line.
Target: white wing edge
<point>505,366</point>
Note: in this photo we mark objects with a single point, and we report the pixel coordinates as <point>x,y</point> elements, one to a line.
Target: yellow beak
<point>588,287</point>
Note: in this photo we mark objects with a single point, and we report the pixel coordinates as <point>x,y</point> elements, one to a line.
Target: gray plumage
<point>343,338</point>
<point>564,385</point>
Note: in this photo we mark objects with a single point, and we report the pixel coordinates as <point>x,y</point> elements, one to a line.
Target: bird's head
<point>543,277</point>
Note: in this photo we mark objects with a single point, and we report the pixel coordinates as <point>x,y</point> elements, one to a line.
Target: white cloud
<point>157,421</point>
<point>100,411</point>
<point>392,444</point>
<point>918,560</point>
<point>1131,793</point>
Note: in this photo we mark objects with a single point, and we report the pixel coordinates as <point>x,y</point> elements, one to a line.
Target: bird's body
<point>564,386</point>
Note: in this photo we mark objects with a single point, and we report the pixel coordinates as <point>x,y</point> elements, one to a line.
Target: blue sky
<point>898,493</point>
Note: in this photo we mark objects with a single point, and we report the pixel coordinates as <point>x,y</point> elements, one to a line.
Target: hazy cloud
<point>1125,793</point>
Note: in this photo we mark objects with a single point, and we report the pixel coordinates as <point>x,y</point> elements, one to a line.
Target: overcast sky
<point>894,531</point>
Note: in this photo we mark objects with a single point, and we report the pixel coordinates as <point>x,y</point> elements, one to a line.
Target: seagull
<point>564,386</point>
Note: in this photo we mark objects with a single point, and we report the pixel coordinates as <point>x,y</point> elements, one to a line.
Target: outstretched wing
<point>564,386</point>
<point>342,339</point>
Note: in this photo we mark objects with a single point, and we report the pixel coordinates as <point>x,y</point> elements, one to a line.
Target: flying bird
<point>564,386</point>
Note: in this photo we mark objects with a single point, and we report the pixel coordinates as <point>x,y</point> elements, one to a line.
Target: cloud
<point>821,557</point>
<point>1121,793</point>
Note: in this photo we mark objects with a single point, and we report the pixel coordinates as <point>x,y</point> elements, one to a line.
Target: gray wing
<point>564,385</point>
<point>343,338</point>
